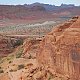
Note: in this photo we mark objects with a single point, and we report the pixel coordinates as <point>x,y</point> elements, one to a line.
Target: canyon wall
<point>60,49</point>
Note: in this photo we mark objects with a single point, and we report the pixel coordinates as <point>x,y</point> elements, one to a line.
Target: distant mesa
<point>38,8</point>
<point>35,11</point>
<point>67,5</point>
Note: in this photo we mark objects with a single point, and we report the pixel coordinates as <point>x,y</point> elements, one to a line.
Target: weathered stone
<point>60,49</point>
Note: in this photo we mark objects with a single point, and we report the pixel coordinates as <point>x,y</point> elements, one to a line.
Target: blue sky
<point>56,2</point>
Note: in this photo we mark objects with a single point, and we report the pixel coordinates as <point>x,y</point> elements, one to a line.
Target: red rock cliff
<point>60,49</point>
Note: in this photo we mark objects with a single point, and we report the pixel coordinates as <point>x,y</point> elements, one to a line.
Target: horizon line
<point>40,3</point>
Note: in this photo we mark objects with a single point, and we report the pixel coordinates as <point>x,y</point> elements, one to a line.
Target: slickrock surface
<point>60,49</point>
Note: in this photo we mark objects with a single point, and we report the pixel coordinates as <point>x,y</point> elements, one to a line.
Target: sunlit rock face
<point>60,49</point>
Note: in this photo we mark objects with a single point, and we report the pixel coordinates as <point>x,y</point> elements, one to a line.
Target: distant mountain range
<point>26,10</point>
<point>50,7</point>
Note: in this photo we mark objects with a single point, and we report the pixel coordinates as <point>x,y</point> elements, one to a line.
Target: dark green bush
<point>10,61</point>
<point>20,52</point>
<point>17,43</point>
<point>18,55</point>
<point>0,67</point>
<point>12,70</point>
<point>20,66</point>
<point>1,71</point>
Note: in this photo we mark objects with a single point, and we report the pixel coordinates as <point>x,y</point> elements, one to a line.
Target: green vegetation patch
<point>20,52</point>
<point>10,57</point>
<point>12,70</point>
<point>10,62</point>
<point>1,71</point>
<point>18,43</point>
<point>21,66</point>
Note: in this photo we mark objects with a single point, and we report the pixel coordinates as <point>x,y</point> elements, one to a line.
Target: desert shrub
<point>51,76</point>
<point>1,71</point>
<point>20,52</point>
<point>30,56</point>
<point>12,70</point>
<point>17,43</point>
<point>20,66</point>
<point>1,61</point>
<point>0,67</point>
<point>10,61</point>
<point>18,55</point>
<point>10,57</point>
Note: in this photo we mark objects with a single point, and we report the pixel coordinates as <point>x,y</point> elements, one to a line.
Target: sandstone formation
<point>8,45</point>
<point>5,46</point>
<point>54,57</point>
<point>60,49</point>
<point>31,48</point>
